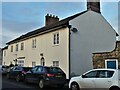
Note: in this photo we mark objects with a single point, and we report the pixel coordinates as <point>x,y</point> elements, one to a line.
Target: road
<point>10,84</point>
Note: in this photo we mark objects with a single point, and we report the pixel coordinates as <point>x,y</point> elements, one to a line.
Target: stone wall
<point>99,58</point>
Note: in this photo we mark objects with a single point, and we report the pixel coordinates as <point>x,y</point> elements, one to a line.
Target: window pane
<point>16,47</point>
<point>11,48</point>
<point>106,74</point>
<point>22,46</point>
<point>91,74</point>
<point>57,38</point>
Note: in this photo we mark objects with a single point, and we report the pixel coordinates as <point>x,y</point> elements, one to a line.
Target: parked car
<point>46,76</point>
<point>97,79</point>
<point>5,69</point>
<point>18,72</point>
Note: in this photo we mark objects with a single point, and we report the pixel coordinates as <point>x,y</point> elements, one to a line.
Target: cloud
<point>20,27</point>
<point>13,29</point>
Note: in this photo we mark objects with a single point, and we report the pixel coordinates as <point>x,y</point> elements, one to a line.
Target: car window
<point>92,74</point>
<point>34,69</point>
<point>17,68</point>
<point>53,70</point>
<point>106,74</point>
<point>39,69</point>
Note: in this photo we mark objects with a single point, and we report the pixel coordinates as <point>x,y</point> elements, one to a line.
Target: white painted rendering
<point>94,35</point>
<point>44,44</point>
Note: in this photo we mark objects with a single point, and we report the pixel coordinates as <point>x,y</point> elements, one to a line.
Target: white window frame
<point>17,46</point>
<point>22,46</point>
<point>111,60</point>
<point>56,63</point>
<point>33,63</point>
<point>56,38</point>
<point>12,48</point>
<point>34,43</point>
<point>5,53</point>
<point>20,63</point>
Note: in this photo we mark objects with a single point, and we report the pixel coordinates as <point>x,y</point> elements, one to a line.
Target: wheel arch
<point>74,82</point>
<point>114,86</point>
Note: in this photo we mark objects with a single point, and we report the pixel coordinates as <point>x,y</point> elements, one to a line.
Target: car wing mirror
<point>83,76</point>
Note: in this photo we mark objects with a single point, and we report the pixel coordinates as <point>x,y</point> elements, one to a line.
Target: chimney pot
<point>50,19</point>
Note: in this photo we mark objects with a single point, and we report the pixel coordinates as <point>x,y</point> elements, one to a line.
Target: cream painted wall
<point>44,44</point>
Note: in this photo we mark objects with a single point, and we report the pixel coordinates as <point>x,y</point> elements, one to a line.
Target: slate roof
<point>6,47</point>
<point>62,23</point>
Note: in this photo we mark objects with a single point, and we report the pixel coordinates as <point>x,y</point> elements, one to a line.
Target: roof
<point>6,47</point>
<point>45,29</point>
<point>61,24</point>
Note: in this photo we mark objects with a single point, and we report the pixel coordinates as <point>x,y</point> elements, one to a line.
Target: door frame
<point>107,60</point>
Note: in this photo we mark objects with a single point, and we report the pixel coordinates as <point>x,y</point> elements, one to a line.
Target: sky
<point>19,18</point>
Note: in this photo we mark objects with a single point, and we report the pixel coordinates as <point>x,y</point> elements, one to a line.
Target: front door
<point>111,64</point>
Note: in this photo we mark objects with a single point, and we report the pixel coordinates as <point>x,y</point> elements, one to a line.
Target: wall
<point>94,35</point>
<point>99,58</point>
<point>44,44</point>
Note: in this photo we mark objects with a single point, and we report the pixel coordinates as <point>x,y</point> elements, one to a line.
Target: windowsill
<point>55,45</point>
<point>33,48</point>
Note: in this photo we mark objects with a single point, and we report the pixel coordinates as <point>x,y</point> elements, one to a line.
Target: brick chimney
<point>93,5</point>
<point>50,19</point>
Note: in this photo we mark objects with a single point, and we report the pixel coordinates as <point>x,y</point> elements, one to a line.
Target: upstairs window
<point>4,53</point>
<point>22,46</point>
<point>34,43</point>
<point>11,48</point>
<point>56,38</point>
<point>16,47</point>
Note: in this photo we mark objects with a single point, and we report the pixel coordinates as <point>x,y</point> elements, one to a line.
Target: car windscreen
<point>53,70</point>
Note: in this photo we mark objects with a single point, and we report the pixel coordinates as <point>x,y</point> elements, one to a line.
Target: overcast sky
<point>21,17</point>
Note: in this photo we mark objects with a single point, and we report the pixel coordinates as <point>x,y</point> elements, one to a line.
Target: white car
<point>97,79</point>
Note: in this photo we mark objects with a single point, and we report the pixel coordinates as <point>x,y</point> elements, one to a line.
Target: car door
<point>30,76</point>
<point>104,80</point>
<point>12,72</point>
<point>88,79</point>
<point>38,74</point>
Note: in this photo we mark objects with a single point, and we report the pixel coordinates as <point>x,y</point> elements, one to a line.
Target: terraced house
<point>68,43</point>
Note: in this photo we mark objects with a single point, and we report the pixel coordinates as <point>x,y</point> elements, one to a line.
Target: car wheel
<point>18,78</point>
<point>41,84</point>
<point>8,76</point>
<point>74,86</point>
<point>114,88</point>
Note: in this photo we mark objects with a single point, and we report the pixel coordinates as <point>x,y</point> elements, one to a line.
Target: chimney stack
<point>50,19</point>
<point>93,5</point>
